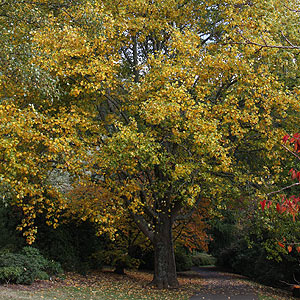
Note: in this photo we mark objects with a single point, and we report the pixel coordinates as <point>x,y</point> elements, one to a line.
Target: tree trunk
<point>119,269</point>
<point>164,259</point>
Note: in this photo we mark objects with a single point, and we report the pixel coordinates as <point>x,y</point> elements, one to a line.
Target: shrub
<point>98,260</point>
<point>203,259</point>
<point>53,268</point>
<point>10,217</point>
<point>183,259</point>
<point>10,274</point>
<point>116,258</point>
<point>253,262</point>
<point>26,266</point>
<point>147,259</point>
<point>70,244</point>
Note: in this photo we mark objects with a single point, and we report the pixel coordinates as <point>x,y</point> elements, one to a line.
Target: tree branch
<point>286,148</point>
<point>113,102</point>
<point>266,45</point>
<point>141,223</point>
<point>291,9</point>
<point>127,56</point>
<point>135,59</point>
<point>143,226</point>
<point>150,212</point>
<point>224,87</point>
<point>285,188</point>
<point>190,213</point>
<point>289,42</point>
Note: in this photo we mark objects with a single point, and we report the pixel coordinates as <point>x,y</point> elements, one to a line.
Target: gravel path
<point>223,286</point>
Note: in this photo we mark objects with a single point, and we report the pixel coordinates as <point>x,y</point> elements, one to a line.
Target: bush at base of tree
<point>26,266</point>
<point>116,258</point>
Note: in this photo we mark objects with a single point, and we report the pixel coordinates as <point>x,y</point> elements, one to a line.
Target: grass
<point>275,297</point>
<point>269,293</point>
<point>109,286</point>
<point>263,297</point>
<point>68,293</point>
<point>100,286</point>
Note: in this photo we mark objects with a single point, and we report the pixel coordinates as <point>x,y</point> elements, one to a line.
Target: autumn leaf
<point>285,138</point>
<point>263,204</point>
<point>278,207</point>
<point>145,118</point>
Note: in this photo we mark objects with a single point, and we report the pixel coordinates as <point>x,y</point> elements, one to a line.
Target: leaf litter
<point>104,285</point>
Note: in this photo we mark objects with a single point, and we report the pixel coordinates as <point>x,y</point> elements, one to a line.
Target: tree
<point>33,132</point>
<point>192,233</point>
<point>172,113</point>
<point>282,41</point>
<point>283,204</point>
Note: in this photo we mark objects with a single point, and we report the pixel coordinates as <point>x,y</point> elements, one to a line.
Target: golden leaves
<point>33,144</point>
<point>176,102</point>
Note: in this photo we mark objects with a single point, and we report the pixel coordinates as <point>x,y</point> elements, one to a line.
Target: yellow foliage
<point>161,101</point>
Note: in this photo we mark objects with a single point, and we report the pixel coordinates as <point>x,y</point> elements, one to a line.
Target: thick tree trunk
<point>119,270</point>
<point>164,259</point>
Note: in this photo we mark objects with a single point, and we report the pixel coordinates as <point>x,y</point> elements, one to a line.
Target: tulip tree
<point>174,112</point>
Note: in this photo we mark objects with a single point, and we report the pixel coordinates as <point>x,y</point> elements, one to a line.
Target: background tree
<point>277,34</point>
<point>33,131</point>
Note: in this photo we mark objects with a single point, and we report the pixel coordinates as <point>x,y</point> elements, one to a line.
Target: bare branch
<point>291,9</point>
<point>285,188</point>
<point>127,56</point>
<point>150,212</point>
<point>266,45</point>
<point>190,213</point>
<point>288,41</point>
<point>140,222</point>
<point>135,59</point>
<point>289,150</point>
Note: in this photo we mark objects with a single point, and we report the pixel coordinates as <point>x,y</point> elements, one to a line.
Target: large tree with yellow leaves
<point>158,106</point>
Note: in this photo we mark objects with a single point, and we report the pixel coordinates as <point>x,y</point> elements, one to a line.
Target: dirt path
<point>220,286</point>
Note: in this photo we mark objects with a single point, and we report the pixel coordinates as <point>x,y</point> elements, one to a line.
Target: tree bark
<point>119,269</point>
<point>164,259</point>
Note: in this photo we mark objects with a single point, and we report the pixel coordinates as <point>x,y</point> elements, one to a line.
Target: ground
<point>99,286</point>
<point>108,286</point>
<point>219,285</point>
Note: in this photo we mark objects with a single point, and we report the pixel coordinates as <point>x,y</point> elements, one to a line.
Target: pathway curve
<point>223,286</point>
